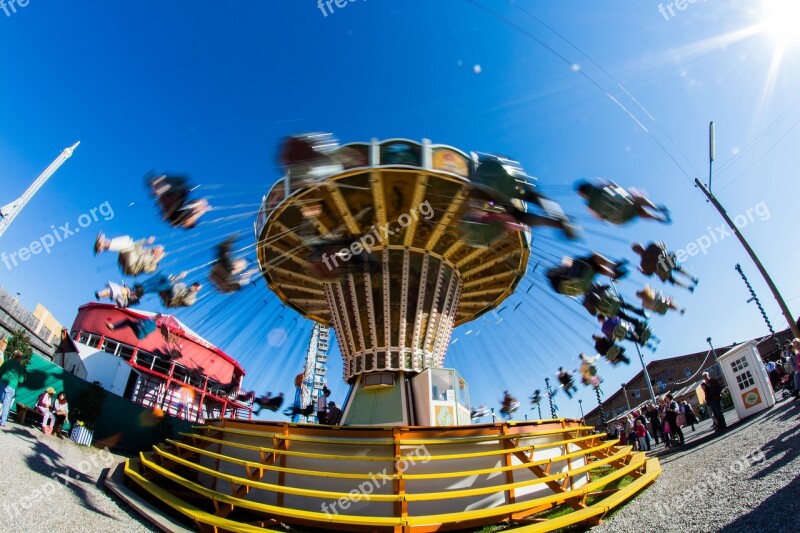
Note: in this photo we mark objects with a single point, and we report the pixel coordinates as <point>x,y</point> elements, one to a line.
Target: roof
<point>175,326</point>
<point>687,389</point>
<point>67,345</point>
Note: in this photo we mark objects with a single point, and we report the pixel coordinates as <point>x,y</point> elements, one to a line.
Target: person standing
<point>640,416</point>
<point>334,414</point>
<point>322,406</point>
<point>796,359</point>
<point>631,431</point>
<point>673,409</point>
<point>655,422</point>
<point>666,429</point>
<point>12,373</point>
<point>714,400</point>
<point>641,435</point>
<point>688,414</point>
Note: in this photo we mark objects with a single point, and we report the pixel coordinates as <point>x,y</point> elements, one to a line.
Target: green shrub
<point>725,399</point>
<point>90,405</point>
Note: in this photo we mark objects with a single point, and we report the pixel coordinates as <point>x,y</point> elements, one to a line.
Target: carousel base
<point>253,476</point>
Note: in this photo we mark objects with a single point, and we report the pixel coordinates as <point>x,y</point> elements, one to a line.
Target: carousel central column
<point>393,321</point>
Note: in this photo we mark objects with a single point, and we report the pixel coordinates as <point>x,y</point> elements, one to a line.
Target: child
<point>641,435</point>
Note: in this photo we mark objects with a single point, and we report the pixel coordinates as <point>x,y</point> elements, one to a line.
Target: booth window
<point>383,379</point>
<point>745,380</point>
<point>463,396</point>
<point>739,364</point>
<point>442,383</point>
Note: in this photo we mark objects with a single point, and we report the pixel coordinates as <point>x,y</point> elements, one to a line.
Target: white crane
<point>10,211</point>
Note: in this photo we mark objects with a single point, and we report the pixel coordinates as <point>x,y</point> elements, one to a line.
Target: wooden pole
<point>781,303</point>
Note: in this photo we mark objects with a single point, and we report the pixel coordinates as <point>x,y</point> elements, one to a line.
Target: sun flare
<point>780,21</point>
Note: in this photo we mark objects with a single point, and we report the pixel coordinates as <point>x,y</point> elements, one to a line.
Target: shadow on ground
<point>779,513</point>
<point>49,463</point>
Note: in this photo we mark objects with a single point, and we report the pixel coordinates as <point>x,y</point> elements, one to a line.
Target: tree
<point>90,404</point>
<point>20,341</point>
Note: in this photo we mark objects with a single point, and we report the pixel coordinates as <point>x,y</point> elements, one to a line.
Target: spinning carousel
<point>393,243</point>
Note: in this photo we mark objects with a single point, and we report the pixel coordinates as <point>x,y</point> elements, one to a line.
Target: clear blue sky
<point>209,89</point>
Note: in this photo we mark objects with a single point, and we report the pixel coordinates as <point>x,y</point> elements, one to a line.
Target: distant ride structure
<point>313,379</point>
<point>183,374</point>
<point>10,211</point>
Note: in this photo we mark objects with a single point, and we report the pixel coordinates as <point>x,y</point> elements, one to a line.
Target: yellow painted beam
<point>190,511</point>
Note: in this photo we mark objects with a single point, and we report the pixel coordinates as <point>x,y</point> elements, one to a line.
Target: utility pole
<point>536,399</point>
<point>603,420</point>
<point>10,211</point>
<point>645,373</point>
<point>711,198</point>
<point>625,393</point>
<point>713,351</point>
<point>754,298</point>
<point>550,397</point>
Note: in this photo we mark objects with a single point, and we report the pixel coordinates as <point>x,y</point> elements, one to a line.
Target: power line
<point>591,80</point>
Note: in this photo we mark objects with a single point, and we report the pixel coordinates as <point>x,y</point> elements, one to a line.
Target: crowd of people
<point>656,423</point>
<point>664,421</point>
<point>783,373</point>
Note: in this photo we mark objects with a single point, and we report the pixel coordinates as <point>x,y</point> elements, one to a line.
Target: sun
<point>781,21</point>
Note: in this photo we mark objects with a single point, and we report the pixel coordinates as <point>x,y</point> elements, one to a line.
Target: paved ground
<point>746,479</point>
<point>51,485</point>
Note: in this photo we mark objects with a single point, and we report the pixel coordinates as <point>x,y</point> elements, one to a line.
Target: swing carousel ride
<point>394,244</point>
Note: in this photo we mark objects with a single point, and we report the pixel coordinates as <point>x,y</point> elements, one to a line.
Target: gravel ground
<point>51,485</point>
<point>744,480</point>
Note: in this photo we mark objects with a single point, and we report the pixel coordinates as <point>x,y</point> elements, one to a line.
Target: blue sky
<point>209,89</point>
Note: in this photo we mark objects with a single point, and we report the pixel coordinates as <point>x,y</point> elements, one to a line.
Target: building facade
<point>44,331</point>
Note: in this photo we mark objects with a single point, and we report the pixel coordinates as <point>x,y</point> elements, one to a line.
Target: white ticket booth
<point>441,398</point>
<point>747,379</point>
